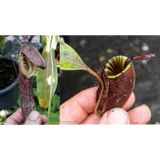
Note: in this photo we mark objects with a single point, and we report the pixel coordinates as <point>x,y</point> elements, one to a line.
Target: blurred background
<point>95,51</point>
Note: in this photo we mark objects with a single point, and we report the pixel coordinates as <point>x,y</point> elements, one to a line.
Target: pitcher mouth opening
<point>116,66</point>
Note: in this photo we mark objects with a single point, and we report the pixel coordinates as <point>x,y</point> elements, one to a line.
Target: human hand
<point>34,118</point>
<point>80,110</point>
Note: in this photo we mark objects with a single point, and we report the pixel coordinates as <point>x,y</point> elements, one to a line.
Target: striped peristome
<point>116,66</point>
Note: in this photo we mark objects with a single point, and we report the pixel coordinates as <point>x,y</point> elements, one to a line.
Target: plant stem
<point>102,84</point>
<point>49,113</point>
<point>53,43</point>
<point>49,107</point>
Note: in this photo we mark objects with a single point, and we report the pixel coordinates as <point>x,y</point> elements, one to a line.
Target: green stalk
<point>53,42</point>
<point>49,107</point>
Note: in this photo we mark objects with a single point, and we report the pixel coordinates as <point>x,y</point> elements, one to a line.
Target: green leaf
<point>47,79</point>
<point>69,59</point>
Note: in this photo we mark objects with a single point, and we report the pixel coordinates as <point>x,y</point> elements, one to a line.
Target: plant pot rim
<point>16,80</point>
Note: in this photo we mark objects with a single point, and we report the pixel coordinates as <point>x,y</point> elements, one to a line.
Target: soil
<point>7,73</point>
<point>95,51</point>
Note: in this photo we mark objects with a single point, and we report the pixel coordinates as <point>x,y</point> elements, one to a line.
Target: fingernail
<point>34,116</point>
<point>117,116</point>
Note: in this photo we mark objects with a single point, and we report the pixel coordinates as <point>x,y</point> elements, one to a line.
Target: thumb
<point>34,118</point>
<point>115,116</point>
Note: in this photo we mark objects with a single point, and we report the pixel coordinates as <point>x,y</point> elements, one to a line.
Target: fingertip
<point>140,114</point>
<point>15,119</point>
<point>147,111</point>
<point>44,119</point>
